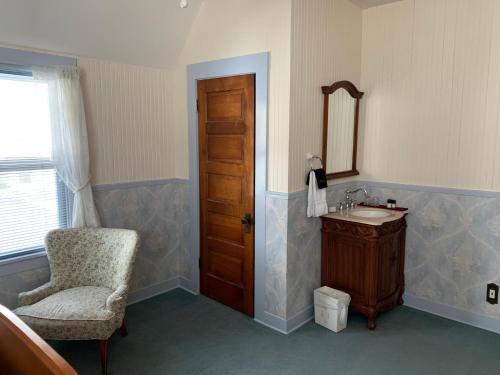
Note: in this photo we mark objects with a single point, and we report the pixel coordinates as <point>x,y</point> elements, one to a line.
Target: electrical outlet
<point>492,294</point>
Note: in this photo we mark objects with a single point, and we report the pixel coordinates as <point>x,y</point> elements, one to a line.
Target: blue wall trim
<point>153,290</point>
<point>432,189</point>
<point>136,184</point>
<point>396,186</point>
<point>257,64</point>
<point>287,326</point>
<point>28,58</point>
<point>303,193</point>
<point>476,320</point>
<point>278,195</point>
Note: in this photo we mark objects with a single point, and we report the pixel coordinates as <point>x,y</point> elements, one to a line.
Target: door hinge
<point>197,105</point>
<point>199,262</point>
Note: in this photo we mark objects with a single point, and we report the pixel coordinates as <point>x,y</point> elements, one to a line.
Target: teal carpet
<point>178,333</point>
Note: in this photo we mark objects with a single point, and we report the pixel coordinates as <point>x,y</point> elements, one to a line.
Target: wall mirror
<point>340,129</point>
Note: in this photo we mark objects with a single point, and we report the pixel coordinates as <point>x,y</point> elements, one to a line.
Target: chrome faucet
<point>349,202</point>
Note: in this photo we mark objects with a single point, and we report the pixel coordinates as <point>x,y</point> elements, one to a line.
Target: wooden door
<point>226,128</point>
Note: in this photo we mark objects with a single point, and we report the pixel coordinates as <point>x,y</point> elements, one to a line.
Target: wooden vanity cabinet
<point>366,261</point>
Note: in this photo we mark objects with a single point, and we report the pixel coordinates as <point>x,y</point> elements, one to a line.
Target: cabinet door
<point>348,265</point>
<point>388,272</point>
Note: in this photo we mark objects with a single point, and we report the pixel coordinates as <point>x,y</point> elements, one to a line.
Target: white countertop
<point>347,216</point>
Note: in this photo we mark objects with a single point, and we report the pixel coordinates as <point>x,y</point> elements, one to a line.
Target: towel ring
<point>311,160</point>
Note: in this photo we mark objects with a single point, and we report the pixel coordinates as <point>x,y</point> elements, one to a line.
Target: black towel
<point>320,175</point>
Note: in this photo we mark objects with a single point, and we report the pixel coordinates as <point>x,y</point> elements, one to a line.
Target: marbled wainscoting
<point>276,254</point>
<point>304,250</point>
<point>159,211</point>
<point>452,250</point>
<point>14,283</point>
<point>453,244</point>
<point>303,257</point>
<point>293,254</point>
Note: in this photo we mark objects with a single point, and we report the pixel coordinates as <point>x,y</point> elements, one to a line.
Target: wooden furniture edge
<point>41,349</point>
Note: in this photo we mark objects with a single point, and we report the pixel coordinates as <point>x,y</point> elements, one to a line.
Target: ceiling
<point>371,3</point>
<point>146,32</point>
<point>140,32</point>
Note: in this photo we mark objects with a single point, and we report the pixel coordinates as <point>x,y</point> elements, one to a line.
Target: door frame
<point>257,64</point>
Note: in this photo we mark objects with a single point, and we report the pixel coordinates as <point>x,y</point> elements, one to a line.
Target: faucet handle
<point>342,206</point>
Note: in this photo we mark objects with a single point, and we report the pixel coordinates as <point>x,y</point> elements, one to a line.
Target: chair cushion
<point>81,303</point>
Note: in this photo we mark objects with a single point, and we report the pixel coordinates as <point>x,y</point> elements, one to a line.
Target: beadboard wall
<point>132,134</point>
<point>431,73</point>
<point>325,47</point>
<point>229,28</point>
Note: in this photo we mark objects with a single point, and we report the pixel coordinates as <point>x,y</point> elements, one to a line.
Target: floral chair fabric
<point>86,296</point>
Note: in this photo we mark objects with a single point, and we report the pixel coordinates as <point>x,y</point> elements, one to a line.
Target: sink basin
<point>367,215</point>
<point>370,213</point>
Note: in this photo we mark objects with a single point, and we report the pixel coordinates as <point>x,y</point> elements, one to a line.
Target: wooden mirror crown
<point>340,129</point>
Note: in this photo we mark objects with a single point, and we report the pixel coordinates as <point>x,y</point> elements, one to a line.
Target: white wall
<point>136,115</point>
<point>229,28</point>
<point>431,73</point>
<point>146,32</point>
<point>132,134</point>
<point>130,115</point>
<point>326,47</point>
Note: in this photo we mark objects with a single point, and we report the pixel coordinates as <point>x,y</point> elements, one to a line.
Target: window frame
<point>33,164</point>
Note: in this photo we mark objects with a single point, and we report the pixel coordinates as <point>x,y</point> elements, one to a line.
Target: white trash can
<point>331,307</point>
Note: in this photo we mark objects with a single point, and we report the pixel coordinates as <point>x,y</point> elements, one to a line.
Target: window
<point>32,198</point>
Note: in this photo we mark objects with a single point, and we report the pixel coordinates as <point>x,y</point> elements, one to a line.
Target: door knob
<point>247,221</point>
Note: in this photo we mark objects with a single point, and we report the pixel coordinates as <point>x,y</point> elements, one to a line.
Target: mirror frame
<point>356,94</point>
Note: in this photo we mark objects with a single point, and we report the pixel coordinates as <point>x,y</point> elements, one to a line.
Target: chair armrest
<point>117,299</point>
<point>35,295</point>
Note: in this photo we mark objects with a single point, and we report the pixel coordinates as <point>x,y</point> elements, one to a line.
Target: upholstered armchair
<point>86,296</point>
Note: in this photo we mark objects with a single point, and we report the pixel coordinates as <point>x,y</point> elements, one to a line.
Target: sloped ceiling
<point>141,32</point>
<point>363,4</point>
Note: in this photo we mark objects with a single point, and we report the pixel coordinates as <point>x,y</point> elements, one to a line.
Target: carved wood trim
<point>349,86</point>
<point>364,231</point>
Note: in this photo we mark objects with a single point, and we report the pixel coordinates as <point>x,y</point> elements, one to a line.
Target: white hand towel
<point>316,198</point>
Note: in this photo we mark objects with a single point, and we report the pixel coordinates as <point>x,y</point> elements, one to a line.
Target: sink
<point>367,215</point>
<point>373,214</point>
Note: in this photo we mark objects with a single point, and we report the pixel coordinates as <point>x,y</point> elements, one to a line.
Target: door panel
<point>388,263</point>
<point>225,188</point>
<point>226,127</point>
<point>225,148</point>
<point>348,265</point>
<point>225,227</point>
<point>226,267</point>
<point>225,105</point>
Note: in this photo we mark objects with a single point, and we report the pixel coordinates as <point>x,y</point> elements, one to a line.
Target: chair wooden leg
<point>104,356</point>
<point>123,329</point>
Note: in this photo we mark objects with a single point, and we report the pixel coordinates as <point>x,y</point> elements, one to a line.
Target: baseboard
<point>272,321</point>
<point>299,319</point>
<point>473,319</point>
<point>153,290</point>
<point>488,323</point>
<point>286,326</point>
<point>187,285</point>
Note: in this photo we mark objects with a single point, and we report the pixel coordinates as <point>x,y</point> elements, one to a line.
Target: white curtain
<point>70,152</point>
